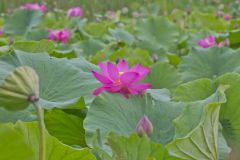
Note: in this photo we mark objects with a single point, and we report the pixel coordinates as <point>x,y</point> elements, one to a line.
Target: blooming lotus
<point>59,35</point>
<point>34,6</point>
<point>121,79</point>
<point>210,41</point>
<point>75,12</point>
<point>207,42</point>
<point>144,126</point>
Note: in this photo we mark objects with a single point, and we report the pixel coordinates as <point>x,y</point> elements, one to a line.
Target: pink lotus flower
<point>224,43</point>
<point>34,6</point>
<point>144,126</point>
<point>210,41</point>
<point>75,12</point>
<point>120,79</point>
<point>207,42</point>
<point>1,32</point>
<point>59,35</point>
<point>227,17</point>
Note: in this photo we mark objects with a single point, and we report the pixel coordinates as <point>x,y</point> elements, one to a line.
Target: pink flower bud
<point>75,12</point>
<point>144,126</point>
<point>227,17</point>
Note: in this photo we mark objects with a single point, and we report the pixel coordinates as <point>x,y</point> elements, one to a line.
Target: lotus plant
<point>210,41</point>
<point>121,79</point>
<point>59,35</point>
<point>75,12</point>
<point>144,126</point>
<point>34,6</point>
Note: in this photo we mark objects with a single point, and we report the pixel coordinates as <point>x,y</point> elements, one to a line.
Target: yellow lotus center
<point>120,73</point>
<point>117,82</point>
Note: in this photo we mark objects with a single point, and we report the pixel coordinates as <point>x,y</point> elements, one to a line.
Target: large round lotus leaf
<point>22,21</point>
<point>157,32</point>
<point>209,63</point>
<point>229,116</point>
<point>163,75</point>
<point>61,84</point>
<point>112,112</point>
<point>17,87</point>
<point>201,142</point>
<point>197,130</point>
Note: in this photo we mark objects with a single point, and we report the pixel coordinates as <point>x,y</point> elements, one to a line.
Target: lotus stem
<point>42,136</point>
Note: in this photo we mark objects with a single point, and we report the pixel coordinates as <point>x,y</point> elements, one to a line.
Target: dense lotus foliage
<point>145,82</point>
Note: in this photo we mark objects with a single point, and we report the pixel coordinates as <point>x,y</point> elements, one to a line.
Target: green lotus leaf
<point>12,145</point>
<point>64,51</point>
<point>133,56</point>
<point>191,115</point>
<point>88,47</point>
<point>209,63</point>
<point>197,129</point>
<point>112,112</point>
<point>67,128</point>
<point>121,35</point>
<point>157,32</point>
<point>22,21</point>
<point>223,149</point>
<point>34,46</point>
<point>37,34</point>
<point>163,75</point>
<point>23,115</point>
<point>18,87</point>
<point>5,69</point>
<point>61,84</point>
<point>137,148</point>
<point>24,138</point>
<point>234,37</point>
<point>159,94</point>
<point>194,90</point>
<point>229,115</point>
<point>83,65</point>
<point>97,29</point>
